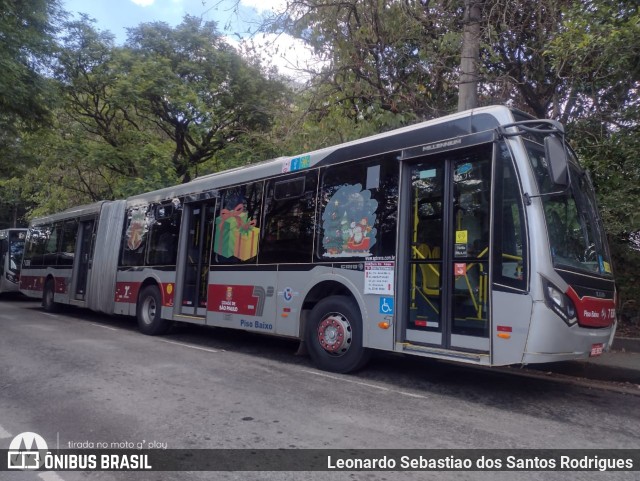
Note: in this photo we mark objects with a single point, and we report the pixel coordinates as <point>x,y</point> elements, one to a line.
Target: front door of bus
<point>448,264</point>
<point>197,258</point>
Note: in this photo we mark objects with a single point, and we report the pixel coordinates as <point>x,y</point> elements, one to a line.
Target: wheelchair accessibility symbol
<point>386,305</point>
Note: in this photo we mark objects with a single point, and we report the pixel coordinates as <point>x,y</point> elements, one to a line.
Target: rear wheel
<point>48,294</point>
<point>334,335</point>
<point>149,312</point>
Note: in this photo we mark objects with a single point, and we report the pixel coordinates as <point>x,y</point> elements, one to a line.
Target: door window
<point>449,247</point>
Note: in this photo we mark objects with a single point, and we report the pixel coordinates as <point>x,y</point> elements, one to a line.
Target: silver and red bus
<point>474,237</point>
<point>11,248</point>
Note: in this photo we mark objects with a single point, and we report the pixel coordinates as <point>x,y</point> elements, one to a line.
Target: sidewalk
<point>621,364</point>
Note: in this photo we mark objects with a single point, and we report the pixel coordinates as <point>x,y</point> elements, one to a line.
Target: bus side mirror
<point>557,161</point>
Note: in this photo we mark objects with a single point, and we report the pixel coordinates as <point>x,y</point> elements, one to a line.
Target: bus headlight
<point>12,278</point>
<point>560,303</point>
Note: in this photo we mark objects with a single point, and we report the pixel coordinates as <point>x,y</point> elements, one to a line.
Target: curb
<point>590,370</point>
<point>629,344</point>
<point>586,382</point>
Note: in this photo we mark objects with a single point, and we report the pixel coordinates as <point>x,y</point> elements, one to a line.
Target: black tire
<point>48,294</point>
<point>149,312</point>
<point>334,335</point>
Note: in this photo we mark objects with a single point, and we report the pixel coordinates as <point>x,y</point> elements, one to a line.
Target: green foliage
<point>195,89</point>
<point>380,56</point>
<point>28,28</point>
<point>144,116</point>
<point>597,54</point>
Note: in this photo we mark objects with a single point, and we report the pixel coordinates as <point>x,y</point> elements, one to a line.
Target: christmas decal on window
<point>138,228</point>
<point>348,221</point>
<point>236,234</point>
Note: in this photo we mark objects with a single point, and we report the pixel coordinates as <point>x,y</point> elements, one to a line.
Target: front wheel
<point>148,313</point>
<point>48,294</point>
<point>334,335</point>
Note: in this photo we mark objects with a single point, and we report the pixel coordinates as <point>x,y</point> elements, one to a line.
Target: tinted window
<point>290,205</point>
<point>36,242</point>
<point>51,246</point>
<point>510,247</point>
<point>134,241</point>
<point>68,243</point>
<point>358,211</point>
<point>163,237</point>
<point>237,228</point>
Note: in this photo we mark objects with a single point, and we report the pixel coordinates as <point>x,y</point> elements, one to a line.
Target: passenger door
<point>449,243</point>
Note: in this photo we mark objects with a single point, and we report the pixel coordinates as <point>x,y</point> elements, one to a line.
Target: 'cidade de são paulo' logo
<point>27,451</point>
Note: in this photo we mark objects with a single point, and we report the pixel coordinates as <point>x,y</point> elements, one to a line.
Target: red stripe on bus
<point>127,292</point>
<point>592,311</point>
<point>31,283</point>
<point>60,285</point>
<point>168,291</point>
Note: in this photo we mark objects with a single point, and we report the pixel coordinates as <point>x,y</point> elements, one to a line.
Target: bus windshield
<point>576,235</point>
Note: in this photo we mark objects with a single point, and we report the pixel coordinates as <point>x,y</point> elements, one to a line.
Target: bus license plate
<point>596,349</point>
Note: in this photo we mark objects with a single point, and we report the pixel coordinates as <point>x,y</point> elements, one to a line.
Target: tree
<point>28,28</point>
<point>196,89</point>
<point>516,67</point>
<point>597,55</point>
<point>385,62</point>
<point>469,57</point>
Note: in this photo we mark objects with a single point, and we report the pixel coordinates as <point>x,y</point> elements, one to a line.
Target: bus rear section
<point>11,251</point>
<point>70,259</point>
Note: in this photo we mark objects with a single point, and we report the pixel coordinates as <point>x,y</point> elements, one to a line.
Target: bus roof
<point>273,167</point>
<point>73,212</point>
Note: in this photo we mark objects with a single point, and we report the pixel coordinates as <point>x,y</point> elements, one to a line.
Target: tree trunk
<point>468,89</point>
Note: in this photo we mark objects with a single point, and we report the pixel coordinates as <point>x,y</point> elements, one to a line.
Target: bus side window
<point>134,240</point>
<point>289,219</point>
<point>38,238</point>
<point>358,209</point>
<point>68,243</point>
<point>51,246</point>
<point>163,238</point>
<point>510,247</point>
<point>237,225</point>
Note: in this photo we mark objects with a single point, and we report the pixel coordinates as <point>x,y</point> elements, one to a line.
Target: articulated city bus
<point>11,248</point>
<point>474,237</point>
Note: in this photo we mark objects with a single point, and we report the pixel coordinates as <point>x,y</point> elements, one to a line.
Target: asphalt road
<point>77,376</point>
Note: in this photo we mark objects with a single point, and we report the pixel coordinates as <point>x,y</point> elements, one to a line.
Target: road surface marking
<point>104,327</point>
<point>342,379</point>
<point>410,394</point>
<point>366,384</point>
<point>191,346</point>
<point>55,316</point>
<point>49,476</point>
<point>4,433</point>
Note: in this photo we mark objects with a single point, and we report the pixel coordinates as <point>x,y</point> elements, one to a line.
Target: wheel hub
<point>334,334</point>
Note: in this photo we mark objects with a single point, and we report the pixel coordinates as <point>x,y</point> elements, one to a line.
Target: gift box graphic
<point>236,235</point>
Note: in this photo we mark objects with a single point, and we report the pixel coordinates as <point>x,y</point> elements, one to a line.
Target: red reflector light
<point>504,329</point>
<point>421,323</point>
